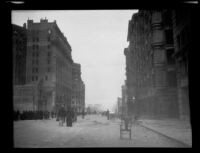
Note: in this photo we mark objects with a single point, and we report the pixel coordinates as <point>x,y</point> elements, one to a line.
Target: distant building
<point>119,106</point>
<point>94,108</point>
<point>123,105</point>
<point>78,88</point>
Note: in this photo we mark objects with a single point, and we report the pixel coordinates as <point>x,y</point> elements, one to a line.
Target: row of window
<point>35,39</point>
<point>35,78</point>
<point>37,47</point>
<point>35,54</point>
<point>35,62</point>
<point>35,69</point>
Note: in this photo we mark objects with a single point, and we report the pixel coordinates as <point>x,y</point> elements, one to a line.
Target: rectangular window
<point>170,59</point>
<point>46,77</point>
<point>32,78</point>
<point>33,47</point>
<point>36,78</point>
<point>172,81</point>
<point>48,46</point>
<point>37,54</point>
<point>33,70</point>
<point>48,69</point>
<point>169,36</point>
<point>179,41</point>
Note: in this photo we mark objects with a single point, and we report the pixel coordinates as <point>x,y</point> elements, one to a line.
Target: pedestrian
<point>108,114</point>
<point>61,115</point>
<point>69,116</point>
<point>83,114</point>
<point>75,115</point>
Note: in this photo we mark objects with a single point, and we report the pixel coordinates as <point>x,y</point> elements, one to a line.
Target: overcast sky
<point>98,39</point>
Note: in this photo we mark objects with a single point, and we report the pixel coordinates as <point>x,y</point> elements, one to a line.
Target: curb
<point>178,141</point>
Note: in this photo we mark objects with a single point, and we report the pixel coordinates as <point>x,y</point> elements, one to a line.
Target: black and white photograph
<point>101,78</point>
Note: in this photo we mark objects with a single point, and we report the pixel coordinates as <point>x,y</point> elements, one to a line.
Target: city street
<point>93,131</point>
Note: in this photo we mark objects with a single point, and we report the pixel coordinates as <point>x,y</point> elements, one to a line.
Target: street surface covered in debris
<point>92,131</point>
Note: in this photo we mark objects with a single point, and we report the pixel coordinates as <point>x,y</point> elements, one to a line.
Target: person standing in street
<point>108,114</point>
<point>69,117</point>
<point>83,114</point>
<point>61,115</point>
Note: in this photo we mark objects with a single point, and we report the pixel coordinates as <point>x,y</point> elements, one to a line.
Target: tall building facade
<point>42,67</point>
<point>78,88</point>
<point>183,25</point>
<point>19,41</point>
<point>152,65</point>
<point>49,62</point>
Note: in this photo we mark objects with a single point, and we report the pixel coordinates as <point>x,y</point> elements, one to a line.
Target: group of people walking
<point>32,115</point>
<point>68,115</point>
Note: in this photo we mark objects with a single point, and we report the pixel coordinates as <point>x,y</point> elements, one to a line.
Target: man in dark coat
<point>108,114</point>
<point>61,115</point>
<point>69,117</point>
<point>83,114</point>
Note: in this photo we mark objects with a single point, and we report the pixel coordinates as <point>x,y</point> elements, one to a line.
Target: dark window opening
<point>169,36</point>
<point>172,81</point>
<point>170,59</point>
<point>179,41</point>
<point>48,61</point>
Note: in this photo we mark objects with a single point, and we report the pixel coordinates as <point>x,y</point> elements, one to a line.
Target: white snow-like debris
<point>92,131</point>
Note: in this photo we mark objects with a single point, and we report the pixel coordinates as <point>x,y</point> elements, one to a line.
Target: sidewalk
<point>176,129</point>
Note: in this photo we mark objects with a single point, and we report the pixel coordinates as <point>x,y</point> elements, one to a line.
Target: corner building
<point>49,63</point>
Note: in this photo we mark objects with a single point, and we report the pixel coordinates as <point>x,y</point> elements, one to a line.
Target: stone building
<point>183,25</point>
<point>119,106</point>
<point>25,97</point>
<point>49,61</point>
<point>43,68</point>
<point>78,88</point>
<point>19,41</point>
<point>123,103</point>
<point>150,66</point>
